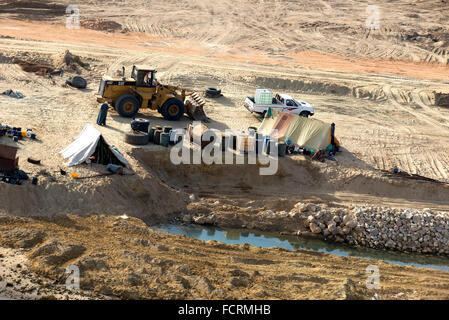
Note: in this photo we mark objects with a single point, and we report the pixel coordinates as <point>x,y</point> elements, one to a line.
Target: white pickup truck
<point>281,102</point>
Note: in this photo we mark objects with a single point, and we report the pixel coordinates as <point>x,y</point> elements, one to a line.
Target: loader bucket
<point>194,107</point>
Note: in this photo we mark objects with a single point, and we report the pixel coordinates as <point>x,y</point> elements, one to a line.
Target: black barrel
<point>157,136</point>
<point>282,149</point>
<point>164,139</point>
<point>151,134</point>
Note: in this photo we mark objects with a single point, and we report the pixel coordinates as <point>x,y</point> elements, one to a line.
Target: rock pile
<point>409,230</point>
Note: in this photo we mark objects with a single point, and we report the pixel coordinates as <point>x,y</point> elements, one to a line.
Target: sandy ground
<point>377,87</point>
<point>124,258</point>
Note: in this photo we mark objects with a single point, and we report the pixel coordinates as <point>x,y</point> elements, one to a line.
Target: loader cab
<point>145,77</point>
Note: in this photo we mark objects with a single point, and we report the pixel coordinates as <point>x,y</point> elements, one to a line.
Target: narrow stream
<point>267,239</point>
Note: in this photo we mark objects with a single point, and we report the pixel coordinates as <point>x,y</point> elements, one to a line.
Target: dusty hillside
<point>125,259</point>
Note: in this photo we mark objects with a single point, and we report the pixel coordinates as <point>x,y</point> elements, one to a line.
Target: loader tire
<point>127,105</point>
<point>136,138</point>
<point>140,124</point>
<point>213,93</point>
<point>77,82</point>
<point>172,109</point>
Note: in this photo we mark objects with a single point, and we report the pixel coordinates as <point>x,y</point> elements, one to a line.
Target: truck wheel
<point>136,138</point>
<point>304,114</point>
<point>172,109</point>
<point>127,105</point>
<point>77,82</point>
<point>140,124</point>
<point>213,93</point>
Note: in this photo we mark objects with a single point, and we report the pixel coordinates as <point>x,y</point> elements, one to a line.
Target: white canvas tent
<point>90,142</point>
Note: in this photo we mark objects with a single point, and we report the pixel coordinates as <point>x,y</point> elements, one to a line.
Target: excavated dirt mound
<point>101,25</point>
<point>4,59</point>
<point>39,69</point>
<point>67,59</point>
<point>32,9</point>
<point>115,195</point>
<point>296,175</point>
<point>442,99</point>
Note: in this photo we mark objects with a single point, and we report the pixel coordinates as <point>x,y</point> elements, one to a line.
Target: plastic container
<point>263,96</point>
<point>224,142</point>
<point>173,136</point>
<point>165,139</point>
<point>234,142</point>
<point>259,145</point>
<point>243,144</point>
<point>24,133</point>
<point>266,145</point>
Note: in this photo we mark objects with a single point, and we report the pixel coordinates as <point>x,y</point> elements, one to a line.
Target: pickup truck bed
<point>303,108</point>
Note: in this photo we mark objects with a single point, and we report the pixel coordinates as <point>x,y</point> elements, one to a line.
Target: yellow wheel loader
<point>142,90</point>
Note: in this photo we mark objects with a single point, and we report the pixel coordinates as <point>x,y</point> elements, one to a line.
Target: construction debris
<point>39,69</point>
<point>101,25</point>
<point>69,61</point>
<point>8,160</point>
<point>213,93</point>
<point>442,99</point>
<point>77,82</point>
<point>13,94</point>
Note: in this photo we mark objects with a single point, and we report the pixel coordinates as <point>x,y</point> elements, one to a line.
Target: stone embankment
<point>408,230</point>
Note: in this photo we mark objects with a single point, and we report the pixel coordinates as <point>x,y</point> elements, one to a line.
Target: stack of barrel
<point>141,133</point>
<point>161,135</point>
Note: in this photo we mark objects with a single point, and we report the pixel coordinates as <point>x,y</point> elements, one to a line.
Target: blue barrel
<point>114,168</point>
